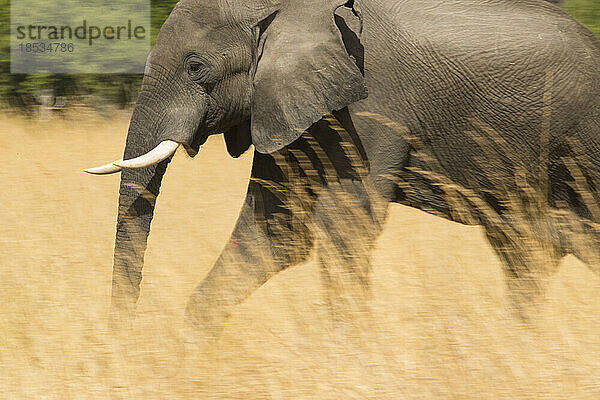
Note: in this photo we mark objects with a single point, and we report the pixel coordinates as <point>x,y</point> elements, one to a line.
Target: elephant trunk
<point>158,126</point>
<point>138,191</point>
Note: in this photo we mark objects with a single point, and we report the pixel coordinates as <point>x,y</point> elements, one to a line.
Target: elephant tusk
<point>164,150</point>
<point>109,168</point>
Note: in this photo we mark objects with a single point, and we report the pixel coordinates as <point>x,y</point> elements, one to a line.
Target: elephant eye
<point>195,66</point>
<point>199,71</point>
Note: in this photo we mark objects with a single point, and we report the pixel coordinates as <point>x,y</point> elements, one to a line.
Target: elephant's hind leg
<point>528,265</point>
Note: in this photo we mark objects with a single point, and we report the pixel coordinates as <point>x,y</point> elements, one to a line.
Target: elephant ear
<point>302,72</point>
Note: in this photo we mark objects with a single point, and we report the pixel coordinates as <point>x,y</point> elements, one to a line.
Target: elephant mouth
<point>192,147</point>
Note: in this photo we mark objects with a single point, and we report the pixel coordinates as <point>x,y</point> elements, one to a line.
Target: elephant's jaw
<point>164,150</point>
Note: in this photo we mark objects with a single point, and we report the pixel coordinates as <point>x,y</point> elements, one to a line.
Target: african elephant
<point>483,112</point>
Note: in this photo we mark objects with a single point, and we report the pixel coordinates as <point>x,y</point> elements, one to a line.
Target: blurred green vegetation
<point>20,89</point>
<point>585,11</point>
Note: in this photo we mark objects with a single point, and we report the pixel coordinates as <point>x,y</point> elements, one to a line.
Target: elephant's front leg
<point>348,219</point>
<point>269,236</point>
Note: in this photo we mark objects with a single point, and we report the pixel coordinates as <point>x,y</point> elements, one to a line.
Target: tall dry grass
<point>438,323</point>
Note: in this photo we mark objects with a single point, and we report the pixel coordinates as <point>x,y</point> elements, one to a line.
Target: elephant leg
<point>270,235</point>
<point>348,221</point>
<point>277,223</point>
<point>528,266</point>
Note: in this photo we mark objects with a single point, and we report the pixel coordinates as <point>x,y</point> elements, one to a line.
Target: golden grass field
<point>440,326</point>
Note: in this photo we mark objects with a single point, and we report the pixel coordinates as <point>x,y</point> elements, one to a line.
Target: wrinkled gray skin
<point>265,72</point>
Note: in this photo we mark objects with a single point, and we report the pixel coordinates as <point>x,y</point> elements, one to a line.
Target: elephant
<point>483,112</point>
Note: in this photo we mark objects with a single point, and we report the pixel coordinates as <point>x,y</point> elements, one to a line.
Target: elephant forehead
<point>178,37</point>
<point>178,32</point>
<point>224,12</point>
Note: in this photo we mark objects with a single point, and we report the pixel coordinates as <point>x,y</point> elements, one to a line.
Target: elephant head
<point>259,71</point>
